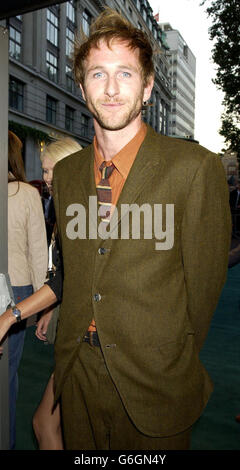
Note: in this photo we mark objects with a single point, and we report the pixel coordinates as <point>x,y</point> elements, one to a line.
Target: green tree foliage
<point>225,34</point>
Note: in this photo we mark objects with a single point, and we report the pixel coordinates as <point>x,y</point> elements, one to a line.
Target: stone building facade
<point>44,101</point>
<point>182,75</point>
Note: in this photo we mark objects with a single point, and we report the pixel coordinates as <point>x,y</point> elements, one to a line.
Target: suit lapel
<point>140,175</point>
<point>88,186</point>
<point>86,173</point>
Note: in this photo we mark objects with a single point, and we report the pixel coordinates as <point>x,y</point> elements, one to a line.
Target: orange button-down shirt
<point>123,162</point>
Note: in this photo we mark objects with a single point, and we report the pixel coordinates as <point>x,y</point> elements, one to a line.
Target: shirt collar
<point>124,159</point>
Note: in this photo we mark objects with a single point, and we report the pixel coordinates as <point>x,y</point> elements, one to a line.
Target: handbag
<point>53,324</point>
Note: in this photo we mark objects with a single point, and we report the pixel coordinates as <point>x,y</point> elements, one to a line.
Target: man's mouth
<point>112,104</point>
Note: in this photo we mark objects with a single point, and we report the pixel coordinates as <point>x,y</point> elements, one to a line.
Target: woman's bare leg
<point>47,421</point>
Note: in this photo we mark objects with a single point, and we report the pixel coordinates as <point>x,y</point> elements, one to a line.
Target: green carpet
<point>215,430</point>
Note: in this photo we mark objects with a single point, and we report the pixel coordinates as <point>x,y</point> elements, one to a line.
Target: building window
<point>52,28</point>
<point>84,125</point>
<point>144,14</point>
<point>70,11</point>
<point>14,43</point>
<point>149,23</point>
<point>185,51</point>
<point>69,79</point>
<point>69,118</point>
<point>52,66</point>
<point>16,89</point>
<point>69,42</point>
<point>86,21</point>
<point>51,110</point>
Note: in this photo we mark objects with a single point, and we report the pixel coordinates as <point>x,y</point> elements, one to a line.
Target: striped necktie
<point>104,192</point>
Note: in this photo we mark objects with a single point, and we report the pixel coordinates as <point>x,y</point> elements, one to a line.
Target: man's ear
<point>82,90</point>
<point>148,88</point>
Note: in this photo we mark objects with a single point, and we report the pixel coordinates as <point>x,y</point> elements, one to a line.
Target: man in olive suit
<point>137,298</point>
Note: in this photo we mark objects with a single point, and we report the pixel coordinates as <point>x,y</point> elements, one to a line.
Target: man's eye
<point>126,74</point>
<point>98,75</point>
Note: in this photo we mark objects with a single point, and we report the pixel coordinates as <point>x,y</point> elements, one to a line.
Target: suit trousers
<point>94,417</point>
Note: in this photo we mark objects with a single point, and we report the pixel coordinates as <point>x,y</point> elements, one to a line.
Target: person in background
<point>53,153</point>
<point>46,420</point>
<point>234,197</point>
<point>27,256</point>
<point>234,201</point>
<point>48,206</point>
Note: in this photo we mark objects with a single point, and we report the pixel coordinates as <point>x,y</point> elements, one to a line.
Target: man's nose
<point>112,87</point>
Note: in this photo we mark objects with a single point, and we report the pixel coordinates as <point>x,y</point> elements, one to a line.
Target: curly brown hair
<point>110,26</point>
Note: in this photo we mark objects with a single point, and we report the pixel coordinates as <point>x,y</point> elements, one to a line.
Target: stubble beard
<point>119,121</point>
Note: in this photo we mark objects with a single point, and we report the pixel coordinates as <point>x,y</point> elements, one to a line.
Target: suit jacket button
<point>97,297</point>
<point>102,251</point>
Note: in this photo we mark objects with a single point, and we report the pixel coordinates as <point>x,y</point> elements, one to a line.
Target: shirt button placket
<point>97,297</point>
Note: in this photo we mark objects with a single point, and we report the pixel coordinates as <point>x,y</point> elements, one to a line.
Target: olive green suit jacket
<point>155,306</point>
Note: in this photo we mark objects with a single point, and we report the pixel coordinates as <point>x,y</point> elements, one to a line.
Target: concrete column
<point>38,40</point>
<point>61,115</point>
<point>27,39</point>
<point>4,407</point>
<point>80,8</point>
<point>42,44</point>
<point>32,160</point>
<point>62,45</point>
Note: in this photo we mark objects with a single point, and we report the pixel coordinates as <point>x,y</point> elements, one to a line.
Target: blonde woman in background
<point>53,153</point>
<point>27,257</point>
<point>46,421</point>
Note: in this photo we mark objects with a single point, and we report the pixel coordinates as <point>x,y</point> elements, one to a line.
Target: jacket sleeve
<point>56,282</point>
<point>37,240</point>
<point>206,233</point>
